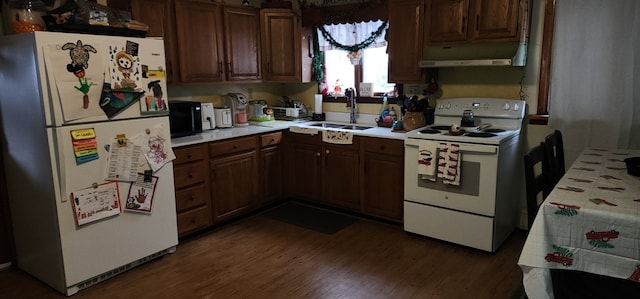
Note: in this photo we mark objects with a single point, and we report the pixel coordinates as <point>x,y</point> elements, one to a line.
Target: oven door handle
<point>464,148</point>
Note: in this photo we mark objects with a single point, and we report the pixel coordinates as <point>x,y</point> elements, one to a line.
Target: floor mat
<point>309,217</point>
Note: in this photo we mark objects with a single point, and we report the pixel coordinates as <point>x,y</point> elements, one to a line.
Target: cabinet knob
<point>382,147</point>
<point>189,156</point>
<point>318,154</point>
<point>235,146</point>
<point>326,152</point>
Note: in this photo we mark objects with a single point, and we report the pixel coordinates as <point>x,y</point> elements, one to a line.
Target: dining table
<point>590,223</point>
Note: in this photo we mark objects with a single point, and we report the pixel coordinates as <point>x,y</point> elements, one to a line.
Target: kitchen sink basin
<point>340,126</point>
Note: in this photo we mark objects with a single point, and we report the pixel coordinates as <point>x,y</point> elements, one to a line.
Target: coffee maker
<point>238,103</point>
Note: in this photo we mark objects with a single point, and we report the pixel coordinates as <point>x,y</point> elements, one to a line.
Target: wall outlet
<point>413,89</point>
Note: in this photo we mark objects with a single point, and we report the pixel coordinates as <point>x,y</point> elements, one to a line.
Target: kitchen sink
<point>340,126</point>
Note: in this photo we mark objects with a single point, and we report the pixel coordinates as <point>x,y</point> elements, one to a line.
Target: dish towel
<point>449,163</point>
<point>310,131</point>
<point>427,160</point>
<point>337,137</point>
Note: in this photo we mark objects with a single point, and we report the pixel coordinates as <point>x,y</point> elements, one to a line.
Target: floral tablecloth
<point>590,222</point>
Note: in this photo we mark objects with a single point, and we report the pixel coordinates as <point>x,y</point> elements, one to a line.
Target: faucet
<point>350,93</point>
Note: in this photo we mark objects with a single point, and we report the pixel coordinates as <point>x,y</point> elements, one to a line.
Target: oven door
<point>478,178</point>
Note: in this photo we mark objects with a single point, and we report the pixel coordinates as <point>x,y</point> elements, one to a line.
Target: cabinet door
<point>405,40</point>
<point>304,171</point>
<point>495,19</point>
<point>340,177</point>
<point>234,184</point>
<point>383,186</point>
<point>271,162</point>
<point>158,15</point>
<point>242,43</point>
<point>199,32</point>
<point>447,21</point>
<point>281,45</point>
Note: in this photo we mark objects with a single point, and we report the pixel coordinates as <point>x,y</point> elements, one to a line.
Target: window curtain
<point>351,34</point>
<point>594,96</point>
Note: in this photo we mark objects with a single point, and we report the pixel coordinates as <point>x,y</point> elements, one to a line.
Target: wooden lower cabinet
<point>365,177</point>
<point>191,176</point>
<point>234,177</point>
<point>222,180</point>
<point>323,172</point>
<point>270,168</point>
<point>382,178</point>
<point>340,175</point>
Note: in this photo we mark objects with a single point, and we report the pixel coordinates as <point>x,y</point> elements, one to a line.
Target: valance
<point>344,14</point>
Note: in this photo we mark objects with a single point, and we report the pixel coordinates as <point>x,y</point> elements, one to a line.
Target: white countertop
<point>226,133</point>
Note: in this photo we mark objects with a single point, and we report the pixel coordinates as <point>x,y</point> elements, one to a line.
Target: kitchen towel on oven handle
<point>427,160</point>
<point>450,158</point>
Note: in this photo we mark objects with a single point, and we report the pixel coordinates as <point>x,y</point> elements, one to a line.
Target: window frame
<point>542,110</point>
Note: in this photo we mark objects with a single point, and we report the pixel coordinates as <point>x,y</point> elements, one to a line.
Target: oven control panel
<point>492,107</point>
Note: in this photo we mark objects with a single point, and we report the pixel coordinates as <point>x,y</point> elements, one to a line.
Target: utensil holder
<point>413,120</point>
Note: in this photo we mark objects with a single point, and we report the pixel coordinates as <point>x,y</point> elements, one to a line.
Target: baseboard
<point>5,266</point>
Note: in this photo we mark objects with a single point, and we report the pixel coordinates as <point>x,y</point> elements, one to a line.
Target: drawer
<point>191,197</point>
<point>384,146</point>
<point>189,174</point>
<point>190,154</point>
<point>233,146</point>
<point>270,139</point>
<point>194,220</point>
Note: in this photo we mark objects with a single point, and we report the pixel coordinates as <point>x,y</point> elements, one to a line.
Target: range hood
<point>488,54</point>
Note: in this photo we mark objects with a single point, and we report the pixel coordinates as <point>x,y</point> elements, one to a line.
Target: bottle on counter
<point>384,111</point>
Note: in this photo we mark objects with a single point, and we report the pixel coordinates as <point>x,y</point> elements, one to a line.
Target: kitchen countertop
<point>226,133</point>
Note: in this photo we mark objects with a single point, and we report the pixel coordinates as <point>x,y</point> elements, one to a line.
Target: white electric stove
<point>483,210</point>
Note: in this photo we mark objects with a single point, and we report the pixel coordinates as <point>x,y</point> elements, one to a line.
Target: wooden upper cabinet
<point>158,15</point>
<point>200,42</point>
<point>242,43</point>
<point>462,21</point>
<point>496,19</point>
<point>447,20</point>
<point>405,40</point>
<point>282,45</point>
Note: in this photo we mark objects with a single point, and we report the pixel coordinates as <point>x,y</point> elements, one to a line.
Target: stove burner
<point>480,134</point>
<point>440,127</point>
<point>494,130</point>
<point>430,131</point>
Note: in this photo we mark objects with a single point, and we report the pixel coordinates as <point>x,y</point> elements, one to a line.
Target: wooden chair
<point>554,149</point>
<point>536,183</point>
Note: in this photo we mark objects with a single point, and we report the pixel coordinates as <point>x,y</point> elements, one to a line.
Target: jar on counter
<point>26,16</point>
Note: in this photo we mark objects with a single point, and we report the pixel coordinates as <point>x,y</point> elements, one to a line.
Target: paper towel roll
<point>318,104</point>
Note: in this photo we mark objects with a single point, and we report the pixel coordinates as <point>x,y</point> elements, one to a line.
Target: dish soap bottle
<point>385,108</point>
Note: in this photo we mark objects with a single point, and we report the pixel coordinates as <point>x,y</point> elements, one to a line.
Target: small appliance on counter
<point>238,103</point>
<point>185,118</point>
<point>258,113</point>
<point>223,117</point>
<point>208,116</point>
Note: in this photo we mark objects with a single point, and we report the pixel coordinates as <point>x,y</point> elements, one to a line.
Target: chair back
<point>536,183</point>
<point>554,149</point>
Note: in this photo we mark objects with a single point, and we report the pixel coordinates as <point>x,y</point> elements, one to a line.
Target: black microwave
<point>185,118</point>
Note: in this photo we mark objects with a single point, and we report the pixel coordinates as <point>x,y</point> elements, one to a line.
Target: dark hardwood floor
<point>258,257</point>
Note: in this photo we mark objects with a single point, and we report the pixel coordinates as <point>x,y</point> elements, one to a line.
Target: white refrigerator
<point>87,152</point>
